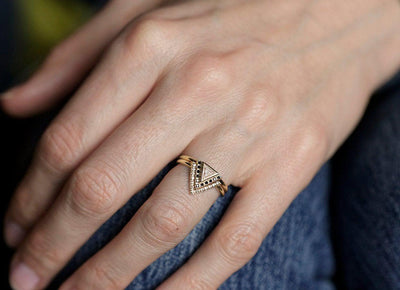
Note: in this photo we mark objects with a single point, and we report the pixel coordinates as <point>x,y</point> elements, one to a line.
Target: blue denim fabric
<point>297,254</point>
<point>366,195</point>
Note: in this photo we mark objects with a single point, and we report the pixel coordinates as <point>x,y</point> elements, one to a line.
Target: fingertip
<point>8,103</point>
<point>17,106</point>
<point>22,277</point>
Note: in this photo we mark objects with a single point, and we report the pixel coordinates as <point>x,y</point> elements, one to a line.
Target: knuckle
<point>308,150</point>
<point>257,110</point>
<point>59,146</point>
<point>21,207</point>
<point>312,141</point>
<point>93,191</point>
<point>239,243</point>
<point>152,34</point>
<point>209,74</point>
<point>39,250</point>
<point>165,222</point>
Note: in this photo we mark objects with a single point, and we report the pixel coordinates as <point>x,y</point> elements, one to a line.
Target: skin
<point>279,85</point>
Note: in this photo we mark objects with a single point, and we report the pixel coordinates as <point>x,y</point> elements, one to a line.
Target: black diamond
<point>201,184</point>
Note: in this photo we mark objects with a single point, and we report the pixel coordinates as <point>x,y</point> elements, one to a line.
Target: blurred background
<point>28,30</point>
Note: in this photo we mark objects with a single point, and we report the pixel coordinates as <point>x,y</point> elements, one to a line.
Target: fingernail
<point>13,234</point>
<point>23,278</point>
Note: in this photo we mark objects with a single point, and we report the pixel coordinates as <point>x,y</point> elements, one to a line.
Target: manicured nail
<point>23,278</point>
<point>13,234</point>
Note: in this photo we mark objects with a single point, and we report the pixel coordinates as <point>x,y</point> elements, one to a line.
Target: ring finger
<point>164,220</point>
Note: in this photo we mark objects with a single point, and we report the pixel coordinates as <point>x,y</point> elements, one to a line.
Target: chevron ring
<point>202,176</point>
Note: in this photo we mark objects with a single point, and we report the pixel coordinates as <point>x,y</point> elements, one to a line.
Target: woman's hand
<point>264,91</point>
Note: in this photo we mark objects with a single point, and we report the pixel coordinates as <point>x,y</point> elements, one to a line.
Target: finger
<point>71,60</point>
<point>253,212</point>
<point>235,240</point>
<point>162,222</point>
<point>112,92</point>
<point>122,165</point>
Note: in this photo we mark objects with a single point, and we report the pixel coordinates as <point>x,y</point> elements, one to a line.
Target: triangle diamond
<point>208,172</point>
<point>202,177</point>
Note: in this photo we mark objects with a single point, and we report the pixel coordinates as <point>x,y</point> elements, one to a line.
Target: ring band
<point>202,176</point>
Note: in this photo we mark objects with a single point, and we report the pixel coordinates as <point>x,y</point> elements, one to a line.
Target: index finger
<point>115,89</point>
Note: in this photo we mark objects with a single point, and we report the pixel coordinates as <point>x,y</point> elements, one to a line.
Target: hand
<point>264,91</point>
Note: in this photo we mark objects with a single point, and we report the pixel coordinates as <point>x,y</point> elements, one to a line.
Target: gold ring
<point>202,176</point>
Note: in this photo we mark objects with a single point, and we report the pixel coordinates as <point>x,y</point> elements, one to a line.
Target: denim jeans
<point>366,197</point>
<point>342,231</point>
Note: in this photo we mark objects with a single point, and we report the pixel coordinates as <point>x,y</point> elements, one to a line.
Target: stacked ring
<point>202,176</point>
